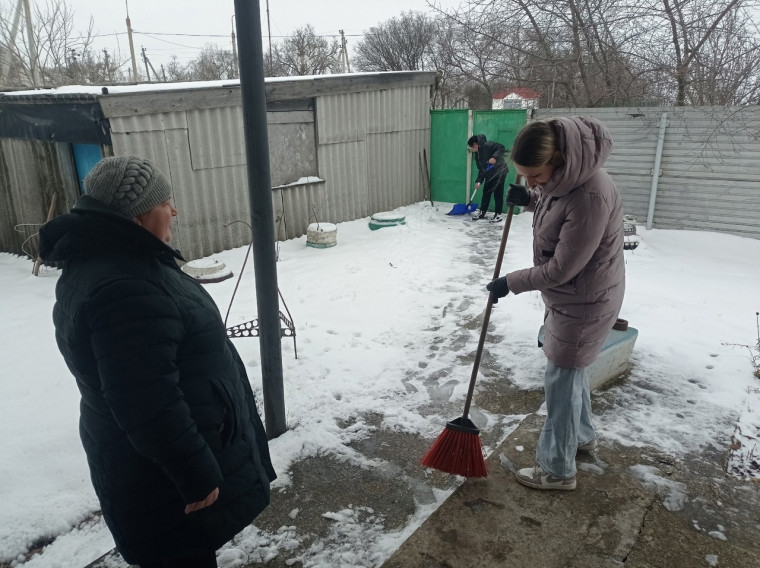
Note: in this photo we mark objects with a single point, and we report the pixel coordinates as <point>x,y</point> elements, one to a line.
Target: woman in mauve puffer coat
<point>578,268</point>
<point>178,455</point>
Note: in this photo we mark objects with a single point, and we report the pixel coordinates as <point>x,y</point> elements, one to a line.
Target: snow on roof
<point>72,90</point>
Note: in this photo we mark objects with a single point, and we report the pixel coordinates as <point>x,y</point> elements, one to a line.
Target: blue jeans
<point>568,419</point>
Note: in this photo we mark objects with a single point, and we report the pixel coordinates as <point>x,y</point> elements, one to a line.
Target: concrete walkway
<point>633,507</point>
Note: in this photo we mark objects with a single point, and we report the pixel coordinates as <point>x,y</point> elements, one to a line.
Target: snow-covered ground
<point>364,311</point>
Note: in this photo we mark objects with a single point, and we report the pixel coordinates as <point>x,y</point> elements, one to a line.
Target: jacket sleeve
<point>531,206</point>
<point>481,171</point>
<point>135,332</point>
<point>498,151</point>
<point>579,238</point>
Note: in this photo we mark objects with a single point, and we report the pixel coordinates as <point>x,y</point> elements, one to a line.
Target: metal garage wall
<point>293,208</point>
<point>202,150</point>
<point>368,148</point>
<point>707,179</point>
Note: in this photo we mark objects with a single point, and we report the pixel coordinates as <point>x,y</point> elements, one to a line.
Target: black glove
<point>518,194</point>
<point>498,288</point>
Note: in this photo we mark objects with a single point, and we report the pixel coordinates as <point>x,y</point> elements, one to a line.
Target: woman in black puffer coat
<point>177,452</point>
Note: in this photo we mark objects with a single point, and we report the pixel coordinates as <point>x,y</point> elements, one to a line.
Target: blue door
<point>85,158</point>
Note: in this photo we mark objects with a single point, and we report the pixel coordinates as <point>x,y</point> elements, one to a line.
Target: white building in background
<point>518,98</point>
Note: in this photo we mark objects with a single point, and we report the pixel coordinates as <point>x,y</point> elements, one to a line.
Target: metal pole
<point>145,61</point>
<point>269,33</point>
<point>32,45</point>
<point>135,76</point>
<point>248,22</point>
<point>7,54</point>
<point>656,169</point>
<point>235,73</point>
<point>468,180</point>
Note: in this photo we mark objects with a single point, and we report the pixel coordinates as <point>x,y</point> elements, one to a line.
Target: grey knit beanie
<point>127,184</point>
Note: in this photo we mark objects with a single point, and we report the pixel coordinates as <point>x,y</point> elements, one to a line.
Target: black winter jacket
<point>167,412</point>
<point>488,149</point>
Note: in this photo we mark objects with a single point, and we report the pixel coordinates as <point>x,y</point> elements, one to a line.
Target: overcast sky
<point>213,20</point>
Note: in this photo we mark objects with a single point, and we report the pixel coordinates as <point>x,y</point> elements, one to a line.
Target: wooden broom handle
<point>487,315</point>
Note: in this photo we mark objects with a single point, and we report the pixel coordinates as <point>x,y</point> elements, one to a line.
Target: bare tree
<point>726,71</point>
<point>399,44</point>
<point>176,71</point>
<point>89,67</point>
<point>213,64</point>
<point>305,53</point>
<point>618,52</point>
<point>273,66</point>
<point>54,37</point>
<point>570,50</point>
<point>471,49</point>
<point>706,49</point>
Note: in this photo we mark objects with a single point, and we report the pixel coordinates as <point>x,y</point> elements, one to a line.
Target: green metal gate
<point>449,131</point>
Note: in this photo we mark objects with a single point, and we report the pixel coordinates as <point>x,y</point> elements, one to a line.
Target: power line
<point>227,35</point>
<point>152,36</point>
<point>109,35</point>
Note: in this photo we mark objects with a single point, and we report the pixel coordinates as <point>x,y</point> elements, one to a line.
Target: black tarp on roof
<point>75,119</point>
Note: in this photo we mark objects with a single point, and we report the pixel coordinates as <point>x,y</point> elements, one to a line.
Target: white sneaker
<point>537,478</point>
<point>588,446</point>
<point>496,218</point>
<point>478,215</point>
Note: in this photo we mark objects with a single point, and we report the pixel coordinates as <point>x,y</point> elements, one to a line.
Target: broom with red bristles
<point>458,449</point>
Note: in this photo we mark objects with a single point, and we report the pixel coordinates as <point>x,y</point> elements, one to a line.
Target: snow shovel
<point>462,208</point>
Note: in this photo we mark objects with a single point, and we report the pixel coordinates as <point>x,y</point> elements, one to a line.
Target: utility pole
<point>145,61</point>
<point>234,50</point>
<point>344,53</point>
<point>269,33</point>
<point>72,65</point>
<point>107,65</point>
<point>6,56</point>
<point>32,45</point>
<point>135,76</point>
<point>149,64</point>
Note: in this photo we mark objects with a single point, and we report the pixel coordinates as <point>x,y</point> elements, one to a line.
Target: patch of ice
<point>675,492</point>
<point>591,468</point>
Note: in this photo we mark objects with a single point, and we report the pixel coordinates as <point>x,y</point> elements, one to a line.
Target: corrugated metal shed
<point>341,147</point>
<point>369,146</point>
<point>707,180</point>
<point>359,134</point>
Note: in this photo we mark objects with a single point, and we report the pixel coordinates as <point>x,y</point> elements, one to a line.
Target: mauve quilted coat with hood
<point>577,246</point>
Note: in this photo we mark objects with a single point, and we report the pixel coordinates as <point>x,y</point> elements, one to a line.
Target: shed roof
<point>80,113</point>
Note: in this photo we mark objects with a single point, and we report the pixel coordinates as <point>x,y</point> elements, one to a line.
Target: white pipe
<point>468,182</point>
<point>656,170</point>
